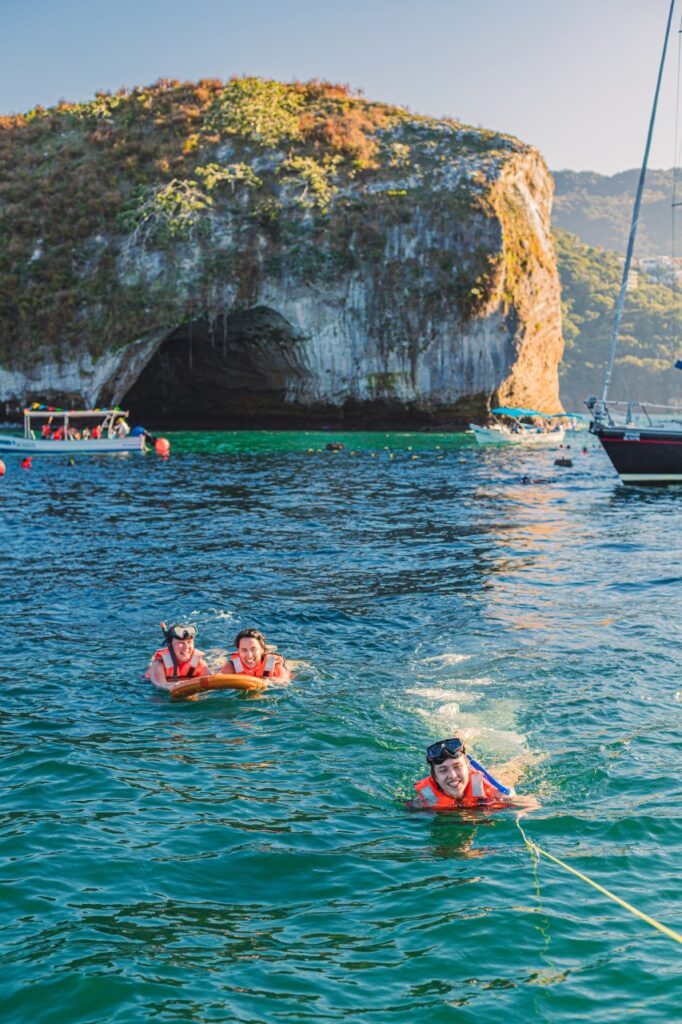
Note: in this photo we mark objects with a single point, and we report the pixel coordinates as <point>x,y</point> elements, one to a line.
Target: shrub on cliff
<point>260,110</point>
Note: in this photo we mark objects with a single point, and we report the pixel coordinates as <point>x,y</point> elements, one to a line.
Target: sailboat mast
<point>601,408</point>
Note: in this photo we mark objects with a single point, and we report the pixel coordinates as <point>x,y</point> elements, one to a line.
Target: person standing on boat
<point>456,782</point>
<point>179,659</point>
<point>252,658</point>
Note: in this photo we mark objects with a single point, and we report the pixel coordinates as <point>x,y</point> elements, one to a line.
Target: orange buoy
<point>2,468</point>
<point>162,446</point>
<point>26,462</point>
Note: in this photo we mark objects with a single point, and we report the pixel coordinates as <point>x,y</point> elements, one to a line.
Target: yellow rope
<point>537,850</point>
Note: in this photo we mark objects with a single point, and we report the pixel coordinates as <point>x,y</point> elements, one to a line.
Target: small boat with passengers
<point>521,426</point>
<point>52,431</point>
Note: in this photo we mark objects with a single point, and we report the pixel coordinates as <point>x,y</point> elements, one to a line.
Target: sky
<point>575,78</point>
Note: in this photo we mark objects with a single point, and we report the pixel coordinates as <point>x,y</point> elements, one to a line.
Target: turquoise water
<point>240,859</point>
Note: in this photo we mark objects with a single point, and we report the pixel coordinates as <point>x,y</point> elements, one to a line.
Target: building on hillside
<point>661,269</point>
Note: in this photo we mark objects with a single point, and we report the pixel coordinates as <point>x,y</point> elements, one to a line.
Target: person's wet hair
<point>251,634</point>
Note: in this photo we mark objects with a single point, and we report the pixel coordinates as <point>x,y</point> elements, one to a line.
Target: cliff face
<point>262,254</point>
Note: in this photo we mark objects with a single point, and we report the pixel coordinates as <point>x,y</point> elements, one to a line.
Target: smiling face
<point>183,649</point>
<point>250,651</point>
<point>452,776</point>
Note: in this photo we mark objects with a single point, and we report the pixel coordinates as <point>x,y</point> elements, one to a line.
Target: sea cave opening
<point>230,372</point>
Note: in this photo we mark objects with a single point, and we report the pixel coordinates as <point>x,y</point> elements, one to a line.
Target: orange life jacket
<point>478,793</point>
<point>265,668</point>
<point>196,665</point>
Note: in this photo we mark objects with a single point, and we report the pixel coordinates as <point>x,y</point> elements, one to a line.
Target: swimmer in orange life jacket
<point>455,782</point>
<point>179,659</point>
<point>252,658</point>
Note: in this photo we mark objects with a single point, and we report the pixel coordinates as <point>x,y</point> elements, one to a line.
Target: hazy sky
<point>573,77</point>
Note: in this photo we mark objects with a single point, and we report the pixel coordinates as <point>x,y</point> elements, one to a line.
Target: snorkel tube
<point>507,790</point>
<point>168,637</point>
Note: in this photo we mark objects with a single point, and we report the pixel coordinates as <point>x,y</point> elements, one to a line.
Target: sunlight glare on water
<point>252,859</point>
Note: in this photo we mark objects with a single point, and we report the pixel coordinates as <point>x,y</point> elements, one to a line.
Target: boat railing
<point>631,412</point>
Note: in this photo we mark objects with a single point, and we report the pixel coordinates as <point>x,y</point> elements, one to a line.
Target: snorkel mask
<point>443,750</point>
<point>178,631</point>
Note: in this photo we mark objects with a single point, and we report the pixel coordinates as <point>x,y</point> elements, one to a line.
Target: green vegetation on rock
<point>262,111</point>
<point>142,209</point>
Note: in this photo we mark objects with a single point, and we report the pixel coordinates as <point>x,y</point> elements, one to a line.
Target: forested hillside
<point>598,209</point>
<point>649,345</point>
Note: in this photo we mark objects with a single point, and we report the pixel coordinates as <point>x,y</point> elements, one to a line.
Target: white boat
<point>510,426</point>
<point>74,428</point>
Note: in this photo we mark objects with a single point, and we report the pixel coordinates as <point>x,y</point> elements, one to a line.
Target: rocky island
<point>260,254</point>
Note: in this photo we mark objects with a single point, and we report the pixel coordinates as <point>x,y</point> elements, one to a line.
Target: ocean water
<point>253,859</point>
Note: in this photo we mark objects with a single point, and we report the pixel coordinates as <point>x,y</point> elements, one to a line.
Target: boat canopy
<point>107,418</point>
<point>525,412</point>
<point>45,411</point>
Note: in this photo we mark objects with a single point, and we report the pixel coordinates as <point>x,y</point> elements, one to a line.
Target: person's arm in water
<point>157,675</point>
<point>525,803</point>
<point>511,774</point>
<point>280,672</point>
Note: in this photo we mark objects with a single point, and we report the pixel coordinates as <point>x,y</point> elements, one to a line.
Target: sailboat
<point>643,449</point>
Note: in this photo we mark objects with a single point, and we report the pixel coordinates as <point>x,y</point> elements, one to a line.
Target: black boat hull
<point>643,455</point>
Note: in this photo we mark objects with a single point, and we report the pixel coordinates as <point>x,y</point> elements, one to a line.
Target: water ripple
<point>253,859</point>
